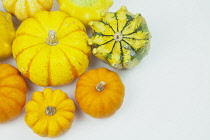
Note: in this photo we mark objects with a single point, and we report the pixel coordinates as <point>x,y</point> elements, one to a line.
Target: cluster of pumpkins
<point>52,48</point>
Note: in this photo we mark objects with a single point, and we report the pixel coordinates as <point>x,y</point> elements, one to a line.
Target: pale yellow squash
<point>85,10</point>
<point>7,34</point>
<point>51,48</point>
<point>23,9</point>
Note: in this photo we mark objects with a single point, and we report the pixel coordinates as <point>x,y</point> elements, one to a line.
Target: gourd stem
<point>118,36</point>
<point>100,86</point>
<point>51,39</point>
<point>50,110</point>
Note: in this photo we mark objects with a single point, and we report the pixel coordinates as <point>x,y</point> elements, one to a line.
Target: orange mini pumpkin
<point>12,92</point>
<point>100,92</point>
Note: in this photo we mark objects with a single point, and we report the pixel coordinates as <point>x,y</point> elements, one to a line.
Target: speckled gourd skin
<point>23,9</point>
<point>7,34</point>
<point>120,39</point>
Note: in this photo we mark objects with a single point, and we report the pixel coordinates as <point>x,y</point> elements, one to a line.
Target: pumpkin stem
<point>50,110</point>
<point>51,39</point>
<point>118,36</point>
<point>100,86</point>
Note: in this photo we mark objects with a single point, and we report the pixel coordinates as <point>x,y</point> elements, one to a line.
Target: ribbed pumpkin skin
<point>52,123</point>
<point>85,10</point>
<point>104,103</point>
<point>121,39</point>
<point>23,9</point>
<point>12,93</point>
<point>45,64</point>
<point>7,34</point>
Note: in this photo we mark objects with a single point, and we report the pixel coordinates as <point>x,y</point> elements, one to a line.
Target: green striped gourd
<point>120,39</point>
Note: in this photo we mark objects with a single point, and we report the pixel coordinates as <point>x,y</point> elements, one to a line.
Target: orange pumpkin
<point>100,92</point>
<point>12,92</point>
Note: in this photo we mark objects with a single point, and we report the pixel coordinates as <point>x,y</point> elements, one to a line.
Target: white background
<point>167,94</point>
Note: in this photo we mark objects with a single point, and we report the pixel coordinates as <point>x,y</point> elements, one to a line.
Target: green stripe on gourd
<point>121,39</point>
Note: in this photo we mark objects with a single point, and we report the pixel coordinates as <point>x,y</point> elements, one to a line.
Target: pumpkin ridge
<point>87,77</point>
<point>101,34</point>
<point>115,15</point>
<point>39,119</point>
<point>136,50</point>
<point>63,108</point>
<point>61,128</point>
<point>127,22</point>
<point>87,54</point>
<point>113,47</point>
<point>58,124</point>
<point>109,55</point>
<point>39,23</point>
<point>48,70</point>
<point>22,95</point>
<point>11,99</point>
<point>27,74</point>
<point>105,43</point>
<point>89,107</point>
<point>133,38</point>
<point>62,23</point>
<point>12,107</point>
<point>72,66</point>
<point>108,25</point>
<point>72,32</point>
<point>121,55</point>
<point>12,74</point>
<point>133,49</point>
<point>139,28</point>
<point>27,8</point>
<point>26,49</point>
<point>113,104</point>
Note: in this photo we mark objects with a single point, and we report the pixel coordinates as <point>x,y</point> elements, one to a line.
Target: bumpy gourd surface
<point>121,39</point>
<point>100,102</point>
<point>85,10</point>
<point>24,9</point>
<point>56,64</point>
<point>45,122</point>
<point>12,93</point>
<point>7,34</point>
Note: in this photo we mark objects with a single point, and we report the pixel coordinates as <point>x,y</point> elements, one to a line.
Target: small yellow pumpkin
<point>49,113</point>
<point>12,92</point>
<point>51,48</point>
<point>7,34</point>
<point>85,10</point>
<point>100,92</point>
<point>23,9</point>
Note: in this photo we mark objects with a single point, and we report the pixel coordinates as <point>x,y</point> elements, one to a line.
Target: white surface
<point>167,95</point>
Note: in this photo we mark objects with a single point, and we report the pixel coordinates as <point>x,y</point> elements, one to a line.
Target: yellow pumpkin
<point>12,92</point>
<point>51,48</point>
<point>49,113</point>
<point>85,10</point>
<point>23,9</point>
<point>7,34</point>
<point>100,92</point>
